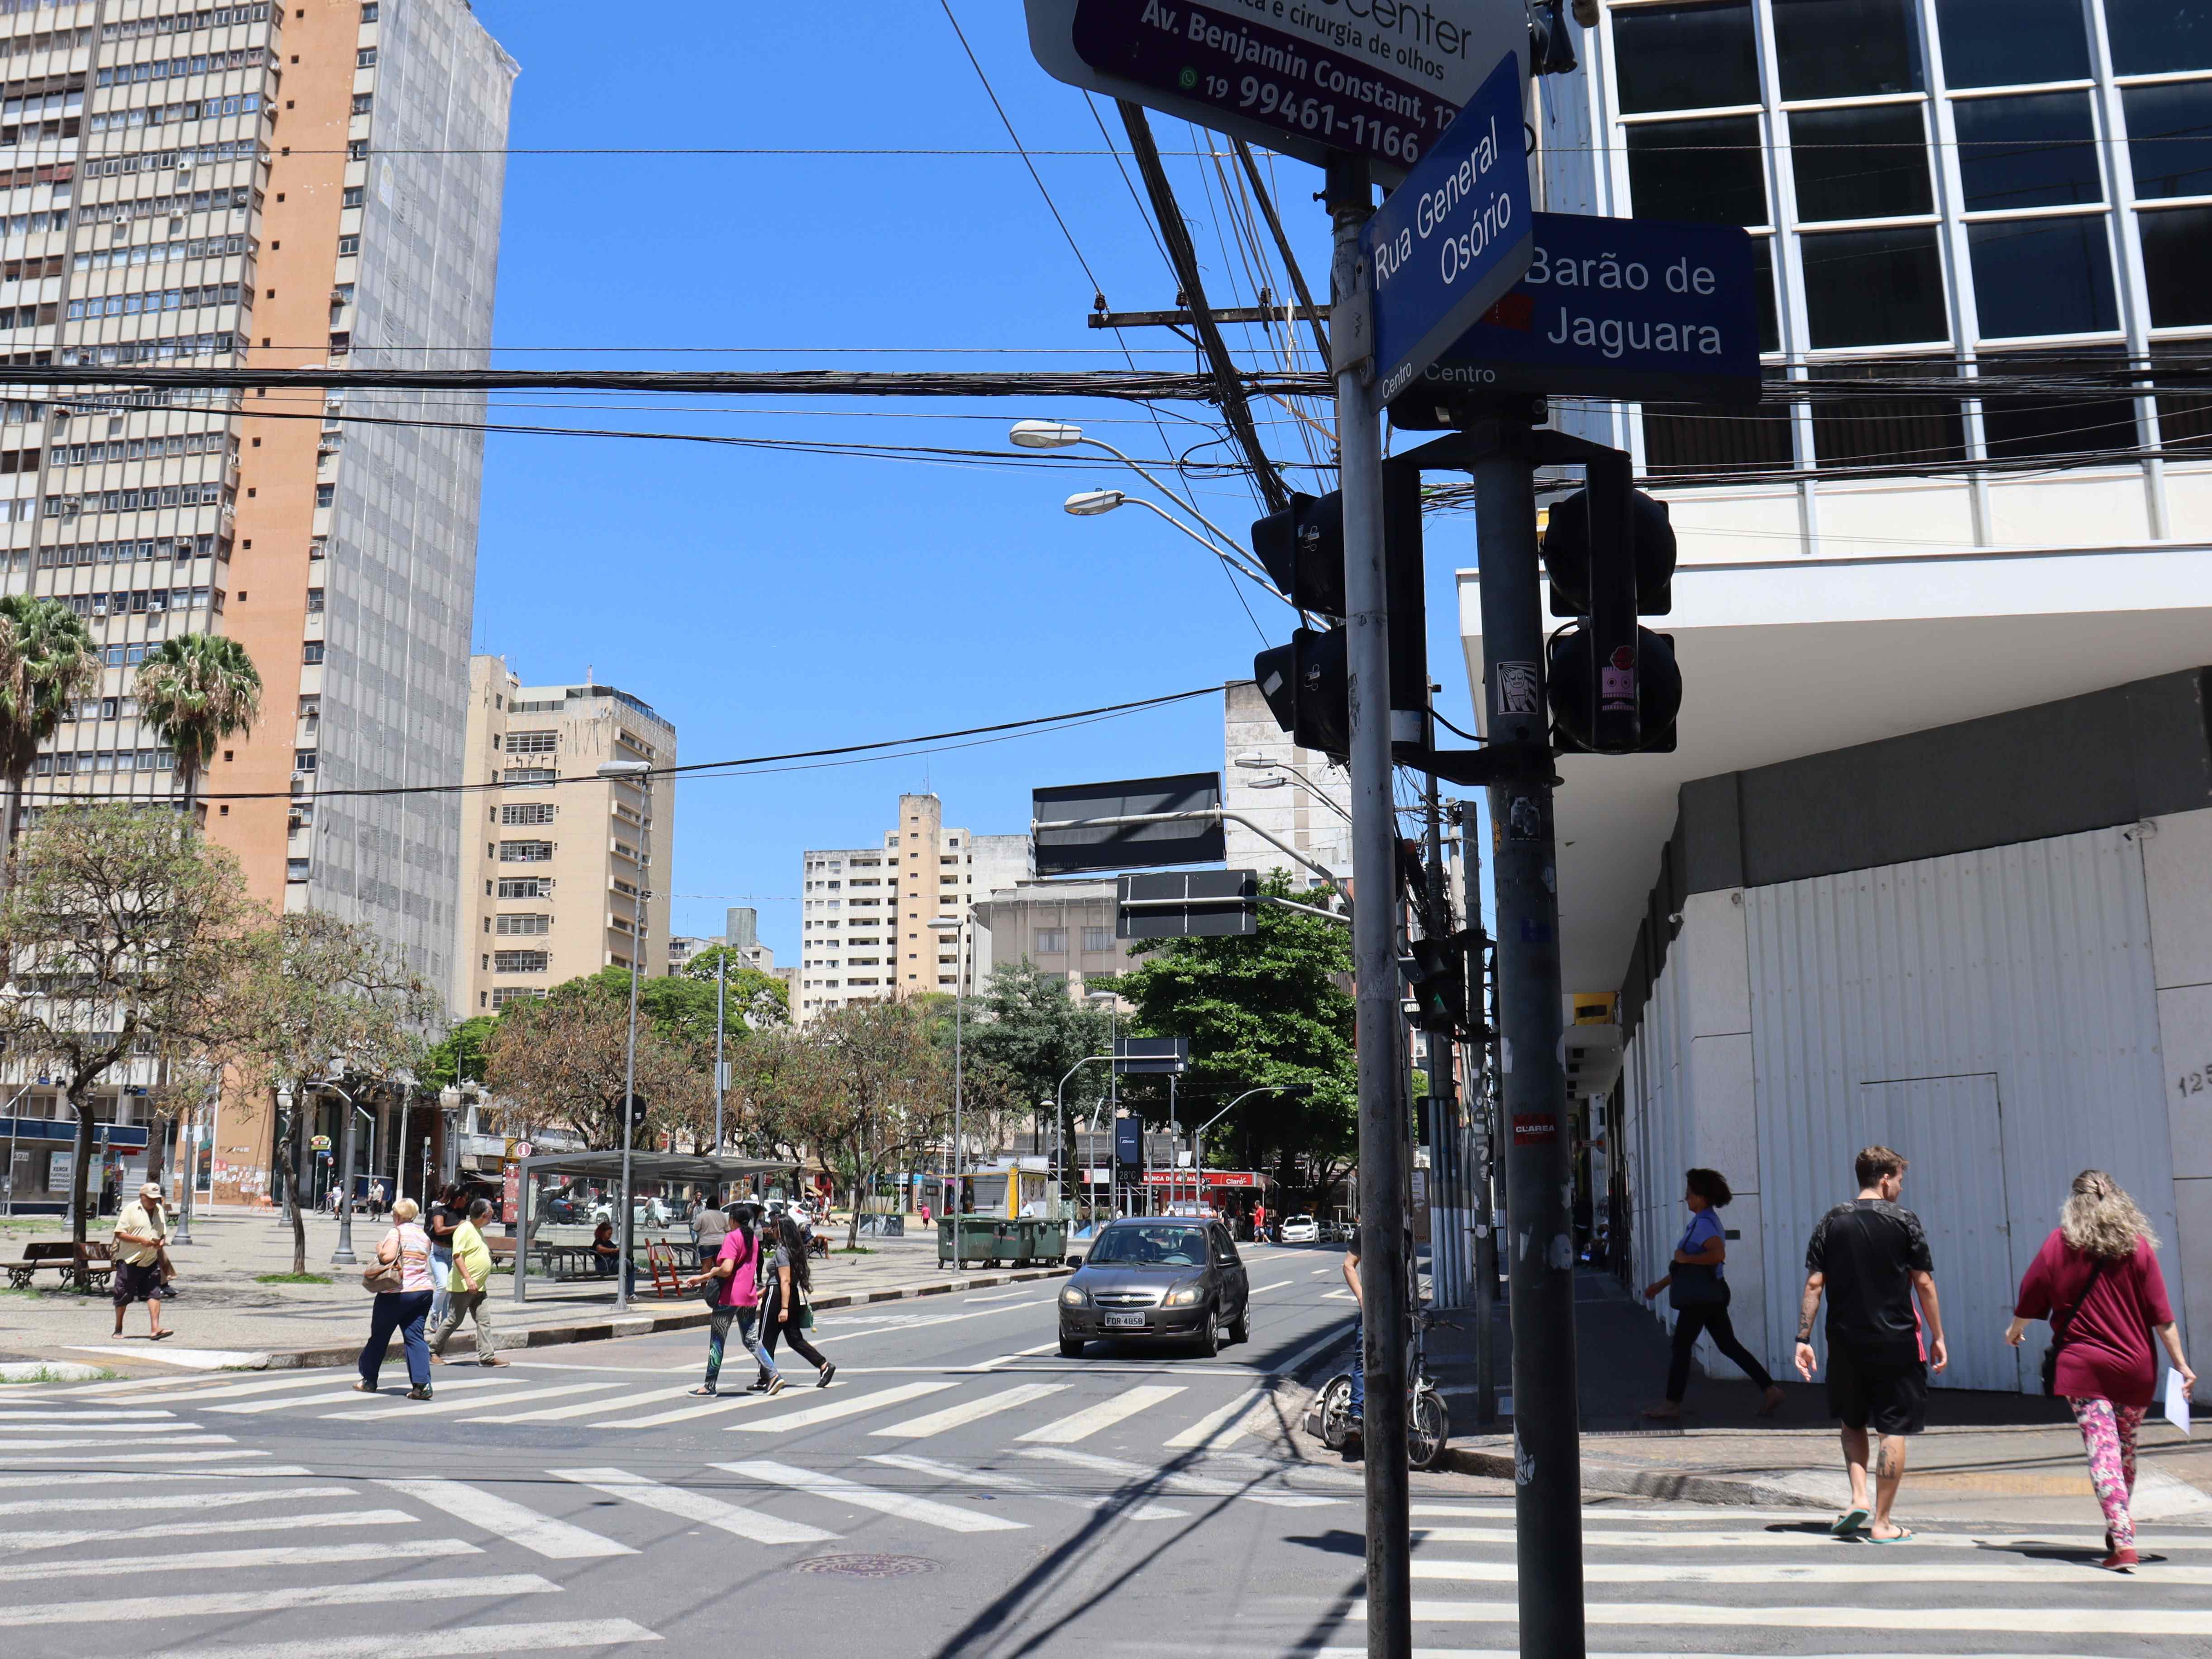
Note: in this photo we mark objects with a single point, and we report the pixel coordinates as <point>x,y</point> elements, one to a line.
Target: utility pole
<point>1350,197</point>
<point>1541,1253</point>
<point>1446,1171</point>
<point>721,974</point>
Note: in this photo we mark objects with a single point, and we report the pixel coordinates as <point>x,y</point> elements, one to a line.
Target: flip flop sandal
<point>1905,1536</point>
<point>1850,1522</point>
<point>163,1336</point>
<point>705,1393</point>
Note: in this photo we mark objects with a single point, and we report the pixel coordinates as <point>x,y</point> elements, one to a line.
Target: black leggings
<point>1711,1319</point>
<point>773,1327</point>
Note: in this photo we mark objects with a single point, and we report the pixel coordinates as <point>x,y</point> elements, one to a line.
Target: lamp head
<point>625,771</point>
<point>1254,760</point>
<point>1090,503</point>
<point>945,924</point>
<point>1044,434</point>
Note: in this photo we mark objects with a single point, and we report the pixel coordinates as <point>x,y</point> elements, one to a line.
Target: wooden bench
<point>90,1264</point>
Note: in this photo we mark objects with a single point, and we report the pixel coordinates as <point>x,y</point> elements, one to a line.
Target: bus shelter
<point>555,1201</point>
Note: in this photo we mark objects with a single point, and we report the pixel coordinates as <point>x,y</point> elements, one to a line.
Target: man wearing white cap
<point>140,1233</point>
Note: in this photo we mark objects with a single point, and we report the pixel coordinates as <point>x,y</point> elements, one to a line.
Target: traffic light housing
<point>1302,548</point>
<point>1307,684</point>
<point>1435,972</point>
<point>1609,552</point>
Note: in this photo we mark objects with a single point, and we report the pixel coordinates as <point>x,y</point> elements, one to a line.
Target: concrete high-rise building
<point>273,186</point>
<point>1300,796</point>
<point>865,910</point>
<point>553,865</point>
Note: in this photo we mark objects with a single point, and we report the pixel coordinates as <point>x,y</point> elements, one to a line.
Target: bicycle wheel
<point>1428,1425</point>
<point>1336,1413</point>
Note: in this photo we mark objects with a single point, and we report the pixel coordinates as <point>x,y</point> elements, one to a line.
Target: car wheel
<point>1239,1328</point>
<point>1071,1347</point>
<point>1209,1336</point>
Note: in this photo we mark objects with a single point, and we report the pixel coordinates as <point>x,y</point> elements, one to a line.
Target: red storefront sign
<point>1218,1179</point>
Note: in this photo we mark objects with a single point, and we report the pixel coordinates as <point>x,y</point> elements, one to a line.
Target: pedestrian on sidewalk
<point>142,1235</point>
<point>734,1285</point>
<point>404,1254</point>
<point>1358,1336</point>
<point>440,1221</point>
<point>469,1296</point>
<point>2097,1280</point>
<point>375,1199</point>
<point>789,1310</point>
<point>1870,1256</point>
<point>1697,1290</point>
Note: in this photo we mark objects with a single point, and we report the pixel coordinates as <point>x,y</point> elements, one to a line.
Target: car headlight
<point>1074,1296</point>
<point>1184,1296</point>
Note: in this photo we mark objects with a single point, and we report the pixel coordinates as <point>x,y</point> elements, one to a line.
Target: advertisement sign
<point>1378,78</point>
<point>1128,1140</point>
<point>510,1197</point>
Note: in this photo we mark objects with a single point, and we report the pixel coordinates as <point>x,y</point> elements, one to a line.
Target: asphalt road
<point>959,1490</point>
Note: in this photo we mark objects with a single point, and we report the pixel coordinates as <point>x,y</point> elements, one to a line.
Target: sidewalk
<point>225,1319</point>
<point>2017,1454</point>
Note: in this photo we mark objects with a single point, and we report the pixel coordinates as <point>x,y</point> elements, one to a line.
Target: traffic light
<point>1609,552</point>
<point>1307,684</point>
<point>1436,970</point>
<point>1302,547</point>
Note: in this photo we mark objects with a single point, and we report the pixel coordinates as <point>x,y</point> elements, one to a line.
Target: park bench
<point>90,1264</point>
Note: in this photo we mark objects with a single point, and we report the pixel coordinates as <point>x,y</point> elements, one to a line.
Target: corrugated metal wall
<point>1992,1016</point>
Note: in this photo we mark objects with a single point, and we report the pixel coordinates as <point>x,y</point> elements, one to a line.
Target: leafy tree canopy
<point>1033,1030</point>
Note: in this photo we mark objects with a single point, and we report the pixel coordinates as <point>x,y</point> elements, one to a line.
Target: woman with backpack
<point>732,1288</point>
<point>788,1311</point>
<point>2097,1280</point>
<point>1697,1290</point>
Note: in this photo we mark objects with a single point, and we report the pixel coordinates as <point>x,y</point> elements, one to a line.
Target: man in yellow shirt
<point>468,1294</point>
<point>141,1232</point>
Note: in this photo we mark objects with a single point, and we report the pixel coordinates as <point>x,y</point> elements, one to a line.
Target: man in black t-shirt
<point>1870,1257</point>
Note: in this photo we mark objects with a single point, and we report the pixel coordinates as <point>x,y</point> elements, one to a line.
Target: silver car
<point>1150,1278</point>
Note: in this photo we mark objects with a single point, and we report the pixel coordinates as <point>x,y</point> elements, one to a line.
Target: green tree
<point>676,1006</point>
<point>1033,1030</point>
<point>458,1056</point>
<point>48,660</point>
<point>1272,1007</point>
<point>761,998</point>
<point>561,1062</point>
<point>197,690</point>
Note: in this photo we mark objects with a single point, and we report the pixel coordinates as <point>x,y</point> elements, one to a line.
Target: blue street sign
<point>1629,308</point>
<point>1128,1140</point>
<point>1454,237</point>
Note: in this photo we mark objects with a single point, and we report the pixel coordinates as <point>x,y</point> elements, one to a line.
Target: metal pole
<point>1446,1173</point>
<point>190,1131</point>
<point>1374,966</point>
<point>1540,1253</point>
<point>722,977</point>
<point>959,1008</point>
<point>343,1257</point>
<point>629,1063</point>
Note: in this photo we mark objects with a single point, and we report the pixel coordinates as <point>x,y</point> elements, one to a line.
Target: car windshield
<point>1159,1247</point>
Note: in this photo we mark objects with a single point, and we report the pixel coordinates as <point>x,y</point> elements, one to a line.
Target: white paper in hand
<point>2177,1402</point>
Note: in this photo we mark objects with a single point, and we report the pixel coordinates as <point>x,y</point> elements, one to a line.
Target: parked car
<point>1154,1279</point>
<point>1301,1230</point>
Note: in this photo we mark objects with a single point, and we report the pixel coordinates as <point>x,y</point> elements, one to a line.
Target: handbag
<point>379,1278</point>
<point>1696,1285</point>
<point>2058,1331</point>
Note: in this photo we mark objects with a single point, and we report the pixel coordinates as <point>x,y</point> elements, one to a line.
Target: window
<point>296,869</point>
<point>303,760</point>
<point>326,494</point>
<point>2039,151</point>
<point>520,962</point>
<point>2170,137</point>
<point>530,777</point>
<point>315,600</point>
<point>2042,276</point>
<point>356,149</point>
<point>1865,163</point>
<point>368,12</point>
<point>1705,439</point>
<point>532,743</point>
<point>365,57</point>
<point>1887,431</point>
<point>526,852</point>
<point>1098,939</point>
<point>521,925</point>
<point>353,195</point>
<point>527,887</point>
<point>311,707</point>
<point>2150,37</point>
<point>1052,941</point>
<point>1874,287</point>
<point>2030,425</point>
<point>312,652</point>
<point>363,102</point>
<point>1684,57</point>
<point>2176,273</point>
<point>1845,48</point>
<point>1711,171</point>
<point>2012,43</point>
<point>530,812</point>
<point>348,246</point>
<point>507,994</point>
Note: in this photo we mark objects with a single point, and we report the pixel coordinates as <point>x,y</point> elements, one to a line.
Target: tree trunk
<point>157,1145</point>
<point>853,1232</point>
<point>15,811</point>
<point>82,1172</point>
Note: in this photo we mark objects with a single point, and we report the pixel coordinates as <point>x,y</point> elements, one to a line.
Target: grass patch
<point>34,1223</point>
<point>293,1279</point>
<point>65,1374</point>
<point>852,1250</point>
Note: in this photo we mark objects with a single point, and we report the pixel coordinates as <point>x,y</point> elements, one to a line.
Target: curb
<point>1626,1480</point>
<point>652,1324</point>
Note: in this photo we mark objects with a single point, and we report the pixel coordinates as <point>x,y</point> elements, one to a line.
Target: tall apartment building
<point>273,184</point>
<point>558,867</point>
<point>1299,796</point>
<point>865,933</point>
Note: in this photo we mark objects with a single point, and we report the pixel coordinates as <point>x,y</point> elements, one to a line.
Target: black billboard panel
<point>1188,904</point>
<point>1135,846</point>
<point>1150,1056</point>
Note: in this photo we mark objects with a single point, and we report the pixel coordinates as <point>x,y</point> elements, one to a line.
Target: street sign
<point>1379,80</point>
<point>637,1111</point>
<point>1150,1056</point>
<point>1128,1140</point>
<point>1188,904</point>
<point>1133,845</point>
<point>1629,308</point>
<point>1454,237</point>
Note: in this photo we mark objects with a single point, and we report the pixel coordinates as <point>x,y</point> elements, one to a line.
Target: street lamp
<point>641,774</point>
<point>1090,503</point>
<point>1255,761</point>
<point>957,926</point>
<point>1059,1108</point>
<point>1061,434</point>
<point>1292,1090</point>
<point>343,1256</point>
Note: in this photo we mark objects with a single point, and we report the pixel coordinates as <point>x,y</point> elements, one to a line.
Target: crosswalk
<point>1744,1583</point>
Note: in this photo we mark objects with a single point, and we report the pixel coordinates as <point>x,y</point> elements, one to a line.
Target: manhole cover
<point>867,1566</point>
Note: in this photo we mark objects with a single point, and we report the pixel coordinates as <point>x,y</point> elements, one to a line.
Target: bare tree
<point>881,1097</point>
<point>561,1063</point>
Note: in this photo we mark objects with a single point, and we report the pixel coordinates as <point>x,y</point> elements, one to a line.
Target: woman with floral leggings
<point>2097,1280</point>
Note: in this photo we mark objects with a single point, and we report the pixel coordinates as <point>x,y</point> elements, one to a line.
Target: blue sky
<point>768,601</point>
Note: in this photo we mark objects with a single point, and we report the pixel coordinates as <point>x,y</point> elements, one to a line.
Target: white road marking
<point>1296,1363</point>
<point>1261,1290</point>
<point>279,1555</point>
<point>1197,1485</point>
<point>80,1477</point>
<point>1024,1353</point>
<point>1318,1272</point>
<point>2167,1622</point>
<point>94,1609</point>
<point>86,1416</point>
<point>1343,1295</point>
<point>169,1388</point>
<point>565,1413</point>
<point>998,1480</point>
<point>8,1446</point>
<point>1081,1425</point>
<point>387,1391</point>
<point>720,1406</point>
<point>1502,1536</point>
<point>1864,1571</point>
<point>1030,1291</point>
<point>540,1534</point>
<point>905,1505</point>
<point>194,1360</point>
<point>171,1500</point>
<point>437,1406</point>
<point>970,1411</point>
<point>46,1538</point>
<point>695,1506</point>
<point>555,1636</point>
<point>1220,1426</point>
<point>136,1456</point>
<point>851,1405</point>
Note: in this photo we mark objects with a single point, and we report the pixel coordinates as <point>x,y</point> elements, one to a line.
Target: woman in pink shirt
<point>2097,1280</point>
<point>735,1281</point>
<point>402,1306</point>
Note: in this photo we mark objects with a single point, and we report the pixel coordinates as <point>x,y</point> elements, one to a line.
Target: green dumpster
<point>983,1241</point>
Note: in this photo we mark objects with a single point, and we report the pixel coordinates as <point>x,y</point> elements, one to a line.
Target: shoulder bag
<point>1696,1285</point>
<point>380,1277</point>
<point>2060,1329</point>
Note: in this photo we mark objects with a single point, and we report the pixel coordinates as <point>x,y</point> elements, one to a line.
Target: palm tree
<point>48,660</point>
<point>196,689</point>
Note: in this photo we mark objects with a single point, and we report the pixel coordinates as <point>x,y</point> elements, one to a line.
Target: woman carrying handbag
<point>400,1279</point>
<point>1697,1290</point>
<point>789,1311</point>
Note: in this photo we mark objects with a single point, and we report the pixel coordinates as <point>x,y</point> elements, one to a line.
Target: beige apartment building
<point>1064,929</point>
<point>559,866</point>
<point>865,910</point>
